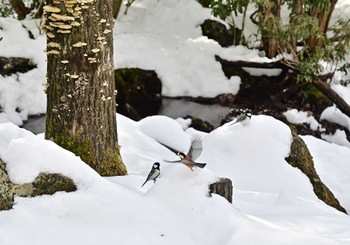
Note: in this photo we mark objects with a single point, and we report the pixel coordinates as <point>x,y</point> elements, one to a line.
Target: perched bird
<point>244,118</point>
<point>194,152</point>
<point>154,173</point>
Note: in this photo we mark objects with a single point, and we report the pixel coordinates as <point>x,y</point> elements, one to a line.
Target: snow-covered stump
<point>223,188</point>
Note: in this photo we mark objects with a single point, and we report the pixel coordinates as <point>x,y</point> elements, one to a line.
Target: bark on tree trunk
<point>268,27</point>
<point>81,91</point>
<point>323,16</point>
<point>116,7</point>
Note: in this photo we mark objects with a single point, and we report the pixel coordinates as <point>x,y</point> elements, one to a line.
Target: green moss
<point>78,146</point>
<point>48,184</point>
<point>112,164</point>
<point>311,92</point>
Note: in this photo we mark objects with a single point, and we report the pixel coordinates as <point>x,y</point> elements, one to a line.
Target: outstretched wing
<point>168,161</point>
<point>196,147</point>
<point>169,148</point>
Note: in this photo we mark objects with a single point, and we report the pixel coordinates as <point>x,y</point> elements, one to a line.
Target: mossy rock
<point>139,92</point>
<point>301,158</point>
<point>48,184</point>
<point>199,124</point>
<point>12,65</point>
<point>6,189</point>
<point>44,184</point>
<point>217,31</point>
<point>205,3</point>
<point>310,92</point>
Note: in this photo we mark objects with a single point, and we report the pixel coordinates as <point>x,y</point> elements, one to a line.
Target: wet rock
<point>199,124</point>
<point>218,32</point>
<point>13,65</point>
<point>205,3</point>
<point>139,92</point>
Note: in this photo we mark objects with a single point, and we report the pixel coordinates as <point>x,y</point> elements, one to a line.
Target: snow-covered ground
<point>273,203</point>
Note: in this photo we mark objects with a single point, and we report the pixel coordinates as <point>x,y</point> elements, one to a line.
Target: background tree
<point>81,109</point>
<point>304,42</point>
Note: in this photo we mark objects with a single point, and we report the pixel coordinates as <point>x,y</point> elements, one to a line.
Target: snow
<point>298,117</point>
<point>172,47</point>
<point>272,200</point>
<point>273,203</point>
<point>22,94</point>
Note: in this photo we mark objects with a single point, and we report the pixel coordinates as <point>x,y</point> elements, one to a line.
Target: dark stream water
<point>170,107</point>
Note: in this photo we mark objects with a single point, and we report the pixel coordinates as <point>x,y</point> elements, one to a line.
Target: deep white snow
<point>273,202</point>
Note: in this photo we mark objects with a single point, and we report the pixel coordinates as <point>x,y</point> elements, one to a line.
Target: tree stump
<point>223,188</point>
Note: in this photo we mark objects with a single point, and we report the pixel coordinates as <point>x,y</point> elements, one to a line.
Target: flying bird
<point>154,173</point>
<point>194,152</point>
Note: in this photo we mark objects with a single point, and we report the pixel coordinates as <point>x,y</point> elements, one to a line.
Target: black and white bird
<point>243,119</point>
<point>154,173</point>
<point>194,152</point>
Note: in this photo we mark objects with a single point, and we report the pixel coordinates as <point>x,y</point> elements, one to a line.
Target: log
<point>223,188</point>
<point>332,95</point>
<point>317,81</point>
<point>252,64</point>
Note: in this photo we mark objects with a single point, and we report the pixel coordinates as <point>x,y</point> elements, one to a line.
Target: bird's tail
<point>233,123</point>
<point>200,165</point>
<point>144,183</point>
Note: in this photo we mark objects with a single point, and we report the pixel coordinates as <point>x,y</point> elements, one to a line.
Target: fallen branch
<point>332,95</point>
<point>252,64</point>
<point>317,81</point>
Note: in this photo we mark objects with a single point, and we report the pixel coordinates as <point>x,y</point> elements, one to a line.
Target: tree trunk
<point>269,30</point>
<point>81,109</point>
<point>323,16</point>
<point>116,7</point>
<point>298,9</point>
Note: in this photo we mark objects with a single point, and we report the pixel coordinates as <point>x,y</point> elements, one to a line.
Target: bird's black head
<point>248,113</point>
<point>181,155</point>
<point>156,165</point>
